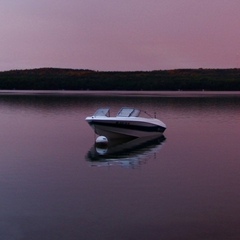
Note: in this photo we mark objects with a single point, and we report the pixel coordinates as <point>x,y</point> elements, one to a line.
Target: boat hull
<point>125,128</point>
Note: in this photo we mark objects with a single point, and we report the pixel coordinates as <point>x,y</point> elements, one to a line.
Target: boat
<point>128,123</point>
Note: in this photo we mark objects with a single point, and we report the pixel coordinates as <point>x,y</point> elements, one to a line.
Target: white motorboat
<point>127,123</point>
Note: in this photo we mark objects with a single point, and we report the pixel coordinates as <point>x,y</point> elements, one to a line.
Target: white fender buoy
<point>101,145</point>
<point>101,140</point>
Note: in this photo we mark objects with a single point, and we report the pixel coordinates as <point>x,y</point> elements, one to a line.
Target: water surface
<point>55,185</point>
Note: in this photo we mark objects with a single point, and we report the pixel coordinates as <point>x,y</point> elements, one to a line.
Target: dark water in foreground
<point>54,185</point>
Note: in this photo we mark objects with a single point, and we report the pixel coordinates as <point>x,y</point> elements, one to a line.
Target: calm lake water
<point>54,185</point>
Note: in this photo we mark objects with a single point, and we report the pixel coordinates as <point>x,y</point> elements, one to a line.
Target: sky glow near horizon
<point>119,35</point>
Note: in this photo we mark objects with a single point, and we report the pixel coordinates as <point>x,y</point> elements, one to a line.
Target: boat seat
<point>135,113</point>
<point>104,112</point>
<point>128,112</point>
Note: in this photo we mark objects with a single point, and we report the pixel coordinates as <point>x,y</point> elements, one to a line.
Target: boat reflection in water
<point>125,153</point>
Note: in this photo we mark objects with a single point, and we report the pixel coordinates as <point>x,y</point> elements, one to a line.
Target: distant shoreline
<point>161,80</point>
<point>123,93</point>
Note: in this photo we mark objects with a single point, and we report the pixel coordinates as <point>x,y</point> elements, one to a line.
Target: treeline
<point>69,79</point>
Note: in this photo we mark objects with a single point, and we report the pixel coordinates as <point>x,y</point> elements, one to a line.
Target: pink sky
<point>119,35</point>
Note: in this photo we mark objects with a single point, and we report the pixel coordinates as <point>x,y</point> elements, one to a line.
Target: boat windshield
<point>128,112</point>
<point>104,112</point>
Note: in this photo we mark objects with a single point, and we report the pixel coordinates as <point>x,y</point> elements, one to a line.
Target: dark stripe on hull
<point>130,127</point>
